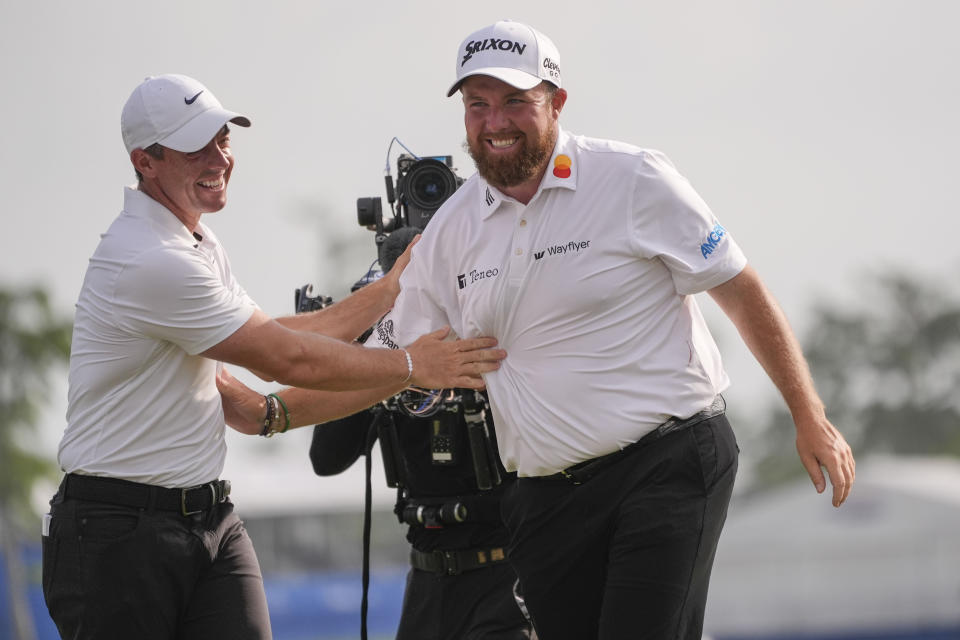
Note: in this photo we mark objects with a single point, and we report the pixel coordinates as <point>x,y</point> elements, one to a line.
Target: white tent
<point>789,563</point>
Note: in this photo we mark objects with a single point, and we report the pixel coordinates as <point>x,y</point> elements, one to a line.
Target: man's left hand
<point>243,408</point>
<point>820,446</point>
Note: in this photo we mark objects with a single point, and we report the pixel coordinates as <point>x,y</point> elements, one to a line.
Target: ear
<point>559,99</point>
<point>144,163</point>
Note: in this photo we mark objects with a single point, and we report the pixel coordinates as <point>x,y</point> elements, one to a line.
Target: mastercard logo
<point>561,166</point>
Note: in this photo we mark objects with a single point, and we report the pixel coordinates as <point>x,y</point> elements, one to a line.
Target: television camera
<point>423,184</point>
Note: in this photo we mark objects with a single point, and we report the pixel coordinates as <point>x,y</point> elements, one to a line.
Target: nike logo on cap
<point>194,98</point>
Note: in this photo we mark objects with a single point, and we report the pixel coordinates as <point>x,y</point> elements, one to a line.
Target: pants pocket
<point>61,572</point>
<point>107,523</point>
<point>49,548</point>
<point>717,448</point>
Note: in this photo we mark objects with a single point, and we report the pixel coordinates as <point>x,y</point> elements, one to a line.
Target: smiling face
<point>511,133</point>
<point>188,184</point>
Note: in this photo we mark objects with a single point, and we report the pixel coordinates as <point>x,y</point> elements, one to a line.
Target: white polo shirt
<point>142,405</point>
<point>588,288</point>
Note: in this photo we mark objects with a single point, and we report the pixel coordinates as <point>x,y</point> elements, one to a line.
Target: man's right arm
<point>314,361</point>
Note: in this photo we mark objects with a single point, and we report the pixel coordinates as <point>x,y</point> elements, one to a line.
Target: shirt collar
<point>140,205</point>
<point>561,173</point>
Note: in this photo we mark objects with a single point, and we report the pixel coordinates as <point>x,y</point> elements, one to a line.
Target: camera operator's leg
<point>483,606</point>
<point>422,607</point>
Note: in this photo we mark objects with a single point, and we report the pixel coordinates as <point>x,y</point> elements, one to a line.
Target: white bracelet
<point>409,365</point>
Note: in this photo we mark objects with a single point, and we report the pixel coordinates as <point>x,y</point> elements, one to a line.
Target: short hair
<point>154,151</point>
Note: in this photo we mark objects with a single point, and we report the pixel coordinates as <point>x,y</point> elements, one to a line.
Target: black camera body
<point>445,442</point>
<point>423,184</point>
<point>456,433</point>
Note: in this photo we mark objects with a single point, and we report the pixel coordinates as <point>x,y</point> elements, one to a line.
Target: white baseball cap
<point>510,51</point>
<point>176,111</point>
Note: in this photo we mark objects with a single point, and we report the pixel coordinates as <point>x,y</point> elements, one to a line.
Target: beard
<point>526,163</point>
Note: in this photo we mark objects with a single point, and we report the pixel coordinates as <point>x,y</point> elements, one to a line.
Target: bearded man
<point>582,257</point>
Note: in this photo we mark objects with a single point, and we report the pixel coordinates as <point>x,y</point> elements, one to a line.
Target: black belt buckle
<point>451,565</point>
<point>183,498</point>
<point>215,496</point>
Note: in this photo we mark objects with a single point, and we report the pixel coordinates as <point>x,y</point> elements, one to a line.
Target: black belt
<point>452,563</point>
<point>583,471</point>
<point>134,494</point>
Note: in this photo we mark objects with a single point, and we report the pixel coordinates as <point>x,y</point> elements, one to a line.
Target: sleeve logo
<point>713,239</point>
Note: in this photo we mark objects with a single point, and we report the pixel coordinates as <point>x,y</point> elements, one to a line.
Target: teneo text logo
<point>476,275</point>
<point>561,249</point>
<point>713,239</point>
<point>476,46</point>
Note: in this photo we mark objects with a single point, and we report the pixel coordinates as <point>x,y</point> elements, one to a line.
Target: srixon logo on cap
<point>476,46</point>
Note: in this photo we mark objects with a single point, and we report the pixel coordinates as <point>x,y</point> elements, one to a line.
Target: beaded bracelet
<point>270,418</point>
<point>286,412</point>
<point>409,365</point>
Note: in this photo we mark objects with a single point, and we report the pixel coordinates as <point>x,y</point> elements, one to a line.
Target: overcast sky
<point>822,133</point>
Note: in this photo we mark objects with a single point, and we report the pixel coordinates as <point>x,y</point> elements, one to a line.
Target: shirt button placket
<point>521,237</point>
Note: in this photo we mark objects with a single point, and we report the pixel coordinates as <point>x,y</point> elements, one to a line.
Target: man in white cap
<point>142,540</point>
<point>582,257</point>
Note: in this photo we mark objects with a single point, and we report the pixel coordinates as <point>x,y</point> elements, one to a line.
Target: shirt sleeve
<point>670,221</point>
<point>177,295</point>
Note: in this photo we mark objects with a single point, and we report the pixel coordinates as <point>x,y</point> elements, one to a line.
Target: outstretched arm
<point>359,311</point>
<point>314,361</point>
<point>244,409</point>
<point>765,330</point>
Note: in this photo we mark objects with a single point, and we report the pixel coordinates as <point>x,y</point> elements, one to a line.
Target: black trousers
<point>628,553</point>
<point>473,605</point>
<point>122,572</point>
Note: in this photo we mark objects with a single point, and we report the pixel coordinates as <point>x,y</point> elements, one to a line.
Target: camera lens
<point>413,514</point>
<point>453,513</point>
<point>430,183</point>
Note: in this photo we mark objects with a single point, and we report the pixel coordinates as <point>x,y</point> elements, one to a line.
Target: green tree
<point>888,371</point>
<point>32,341</point>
